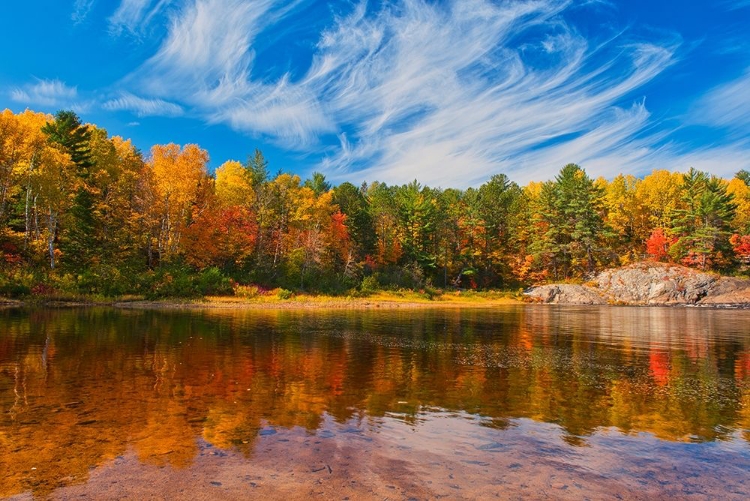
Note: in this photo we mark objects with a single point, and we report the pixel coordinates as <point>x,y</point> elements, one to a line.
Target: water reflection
<point>80,388</point>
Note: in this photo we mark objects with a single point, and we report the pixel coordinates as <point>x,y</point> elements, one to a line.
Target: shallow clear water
<point>521,401</point>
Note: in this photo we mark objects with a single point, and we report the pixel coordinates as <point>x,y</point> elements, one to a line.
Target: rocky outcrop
<point>566,294</point>
<point>655,283</point>
<point>650,283</point>
<point>728,291</point>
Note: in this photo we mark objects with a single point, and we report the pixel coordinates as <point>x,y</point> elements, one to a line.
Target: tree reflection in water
<point>79,388</point>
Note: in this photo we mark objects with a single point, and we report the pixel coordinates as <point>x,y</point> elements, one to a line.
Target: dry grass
<point>381,299</point>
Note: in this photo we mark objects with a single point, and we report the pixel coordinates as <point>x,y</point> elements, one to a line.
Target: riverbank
<point>640,284</point>
<point>382,300</point>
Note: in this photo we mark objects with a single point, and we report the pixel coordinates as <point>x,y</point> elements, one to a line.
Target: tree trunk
<point>51,238</point>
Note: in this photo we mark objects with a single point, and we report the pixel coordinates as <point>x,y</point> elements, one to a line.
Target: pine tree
<point>257,168</point>
<point>417,217</point>
<point>67,133</point>
<point>570,219</point>
<point>318,183</point>
<point>744,176</point>
<point>497,207</point>
<point>702,225</point>
<point>73,138</point>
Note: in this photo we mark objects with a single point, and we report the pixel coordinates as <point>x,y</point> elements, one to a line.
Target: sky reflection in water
<point>516,401</point>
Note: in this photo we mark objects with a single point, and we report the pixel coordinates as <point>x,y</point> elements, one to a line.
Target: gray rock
<point>650,283</point>
<point>566,294</point>
<point>728,291</point>
<point>655,283</point>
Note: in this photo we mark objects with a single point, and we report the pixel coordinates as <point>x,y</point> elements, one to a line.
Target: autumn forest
<point>83,212</point>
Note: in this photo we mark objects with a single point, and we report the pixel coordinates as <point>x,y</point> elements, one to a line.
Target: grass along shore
<point>380,299</point>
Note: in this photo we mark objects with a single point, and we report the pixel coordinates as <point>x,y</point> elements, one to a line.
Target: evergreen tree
<point>702,225</point>
<point>67,131</point>
<point>318,183</point>
<point>569,217</point>
<point>497,208</point>
<point>744,176</point>
<point>257,173</point>
<point>417,217</point>
<point>352,202</point>
<point>79,241</point>
<point>257,168</point>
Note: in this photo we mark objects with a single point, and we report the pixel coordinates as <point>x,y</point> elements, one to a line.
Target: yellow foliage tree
<point>658,196</point>
<point>741,192</point>
<point>21,141</point>
<point>233,186</point>
<point>177,174</point>
<point>624,216</point>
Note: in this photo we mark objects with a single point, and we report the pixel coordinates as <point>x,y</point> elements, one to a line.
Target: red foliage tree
<point>657,245</point>
<point>741,246</point>
<point>219,236</point>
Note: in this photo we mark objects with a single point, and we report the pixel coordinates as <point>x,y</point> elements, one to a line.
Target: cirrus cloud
<point>46,93</point>
<point>143,107</point>
<point>448,92</point>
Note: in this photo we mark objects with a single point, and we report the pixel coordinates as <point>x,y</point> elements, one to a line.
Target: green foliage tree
<point>497,207</point>
<point>352,202</point>
<point>455,232</point>
<point>79,239</point>
<point>702,226</point>
<point>67,131</point>
<point>257,168</point>
<point>744,176</point>
<point>417,217</point>
<point>570,222</point>
<point>318,183</point>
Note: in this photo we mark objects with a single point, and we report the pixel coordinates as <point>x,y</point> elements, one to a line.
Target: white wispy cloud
<point>475,102</point>
<point>47,93</point>
<point>207,50</point>
<point>441,92</point>
<point>206,61</point>
<point>143,107</point>
<point>287,112</point>
<point>736,4</point>
<point>726,106</point>
<point>81,9</point>
<point>134,15</point>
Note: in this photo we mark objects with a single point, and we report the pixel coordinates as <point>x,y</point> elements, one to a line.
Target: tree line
<point>81,211</point>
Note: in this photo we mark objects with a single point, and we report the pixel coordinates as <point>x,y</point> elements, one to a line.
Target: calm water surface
<point>518,402</point>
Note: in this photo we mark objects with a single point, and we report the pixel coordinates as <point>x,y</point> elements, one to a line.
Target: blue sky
<point>447,92</point>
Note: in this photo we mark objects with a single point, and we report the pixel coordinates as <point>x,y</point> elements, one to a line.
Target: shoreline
<point>332,303</point>
<point>299,303</point>
<point>306,305</point>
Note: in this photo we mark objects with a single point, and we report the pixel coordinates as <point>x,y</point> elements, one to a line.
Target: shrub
<point>17,283</point>
<point>105,279</point>
<point>14,290</point>
<point>172,281</point>
<point>369,285</point>
<point>42,289</point>
<point>430,292</point>
<point>212,281</point>
<point>248,291</point>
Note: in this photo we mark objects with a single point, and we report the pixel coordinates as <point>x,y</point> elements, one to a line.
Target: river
<point>523,401</point>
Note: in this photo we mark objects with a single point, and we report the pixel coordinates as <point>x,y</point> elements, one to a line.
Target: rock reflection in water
<point>555,391</point>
